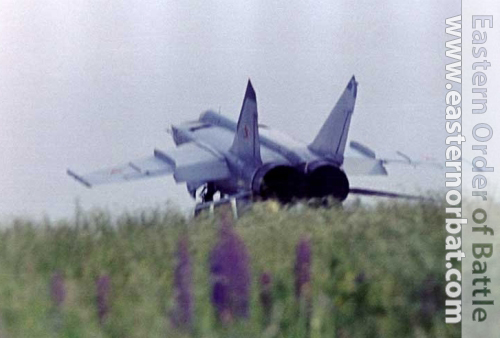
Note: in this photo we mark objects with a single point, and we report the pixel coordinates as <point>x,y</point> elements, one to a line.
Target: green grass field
<point>376,272</point>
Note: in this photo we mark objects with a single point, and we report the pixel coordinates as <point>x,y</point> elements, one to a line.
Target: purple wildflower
<point>360,278</point>
<point>429,298</point>
<point>103,287</point>
<point>57,289</point>
<point>230,271</point>
<point>183,312</point>
<point>303,280</point>
<point>266,298</point>
<point>302,266</point>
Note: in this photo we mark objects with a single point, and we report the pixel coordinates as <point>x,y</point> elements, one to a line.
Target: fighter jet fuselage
<point>287,170</point>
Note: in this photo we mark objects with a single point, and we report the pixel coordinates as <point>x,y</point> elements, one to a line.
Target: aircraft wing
<point>370,192</point>
<point>188,162</point>
<point>364,166</point>
<point>404,159</point>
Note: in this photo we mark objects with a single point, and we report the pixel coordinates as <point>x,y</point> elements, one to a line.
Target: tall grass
<point>374,272</point>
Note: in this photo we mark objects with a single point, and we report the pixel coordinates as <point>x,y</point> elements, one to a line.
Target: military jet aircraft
<point>246,160</point>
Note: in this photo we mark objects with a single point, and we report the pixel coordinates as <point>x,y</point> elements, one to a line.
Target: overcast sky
<point>88,84</point>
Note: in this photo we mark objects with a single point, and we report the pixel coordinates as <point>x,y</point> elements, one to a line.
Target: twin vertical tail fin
<point>246,144</point>
<point>330,141</point>
<point>332,137</point>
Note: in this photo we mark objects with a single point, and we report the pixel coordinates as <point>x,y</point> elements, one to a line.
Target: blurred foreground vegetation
<point>375,272</point>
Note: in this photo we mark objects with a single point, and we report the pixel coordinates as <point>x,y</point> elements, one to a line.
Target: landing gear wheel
<point>208,192</point>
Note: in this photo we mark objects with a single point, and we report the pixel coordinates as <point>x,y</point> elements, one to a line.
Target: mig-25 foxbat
<point>251,161</point>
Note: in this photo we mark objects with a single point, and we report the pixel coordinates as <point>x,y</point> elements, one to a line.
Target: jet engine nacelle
<point>280,181</point>
<point>326,179</point>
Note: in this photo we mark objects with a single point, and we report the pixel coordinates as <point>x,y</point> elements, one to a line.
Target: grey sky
<point>87,84</point>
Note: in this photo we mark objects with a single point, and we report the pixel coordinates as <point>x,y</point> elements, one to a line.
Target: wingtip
<point>78,178</point>
<point>353,85</point>
<point>250,92</point>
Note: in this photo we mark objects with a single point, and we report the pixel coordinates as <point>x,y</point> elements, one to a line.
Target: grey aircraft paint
<point>234,159</point>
